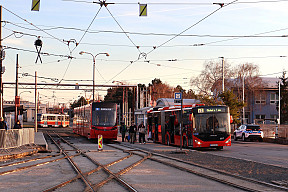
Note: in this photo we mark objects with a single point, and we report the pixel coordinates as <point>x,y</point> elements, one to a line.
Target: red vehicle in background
<point>98,118</point>
<point>203,126</point>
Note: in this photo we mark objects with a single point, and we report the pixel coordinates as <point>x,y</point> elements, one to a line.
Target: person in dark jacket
<point>17,125</point>
<point>3,124</point>
<point>123,130</point>
<point>141,130</point>
<point>132,133</point>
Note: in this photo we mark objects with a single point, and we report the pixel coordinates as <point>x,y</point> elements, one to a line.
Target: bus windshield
<point>105,117</point>
<point>212,123</point>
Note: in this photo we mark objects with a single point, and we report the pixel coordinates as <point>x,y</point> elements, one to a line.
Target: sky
<point>172,42</point>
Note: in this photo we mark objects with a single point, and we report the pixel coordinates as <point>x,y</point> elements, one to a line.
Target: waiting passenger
<point>17,125</point>
<point>3,124</point>
<point>132,133</point>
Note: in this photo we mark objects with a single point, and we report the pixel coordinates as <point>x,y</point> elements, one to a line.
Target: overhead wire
<point>70,57</point>
<point>175,36</point>
<point>32,24</point>
<point>123,29</point>
<point>88,27</point>
<point>178,3</point>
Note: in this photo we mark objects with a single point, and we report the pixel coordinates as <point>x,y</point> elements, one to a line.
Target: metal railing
<point>16,137</point>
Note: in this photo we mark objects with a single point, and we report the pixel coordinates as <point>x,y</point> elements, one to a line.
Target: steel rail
<point>28,161</point>
<point>75,167</point>
<point>121,172</point>
<point>112,175</point>
<point>86,173</point>
<point>206,176</point>
<point>35,165</point>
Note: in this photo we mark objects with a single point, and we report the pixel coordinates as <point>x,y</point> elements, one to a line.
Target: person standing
<point>141,130</point>
<point>17,125</point>
<point>132,133</point>
<point>123,130</point>
<point>3,124</point>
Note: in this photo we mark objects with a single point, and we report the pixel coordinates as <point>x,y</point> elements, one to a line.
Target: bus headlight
<point>228,141</point>
<point>197,142</point>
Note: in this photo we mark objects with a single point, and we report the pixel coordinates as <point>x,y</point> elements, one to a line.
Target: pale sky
<point>140,47</point>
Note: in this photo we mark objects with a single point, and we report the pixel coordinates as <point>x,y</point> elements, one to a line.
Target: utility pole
<point>36,103</point>
<point>279,112</point>
<point>243,87</point>
<point>17,98</point>
<point>1,67</point>
<point>222,74</point>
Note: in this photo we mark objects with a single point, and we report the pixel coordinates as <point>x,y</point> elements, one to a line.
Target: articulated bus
<point>52,120</point>
<point>203,126</point>
<point>98,118</point>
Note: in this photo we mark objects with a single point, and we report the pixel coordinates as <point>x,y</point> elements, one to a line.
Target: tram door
<point>171,127</point>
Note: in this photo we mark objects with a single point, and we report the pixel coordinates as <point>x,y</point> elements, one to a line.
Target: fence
<point>270,130</point>
<point>16,137</point>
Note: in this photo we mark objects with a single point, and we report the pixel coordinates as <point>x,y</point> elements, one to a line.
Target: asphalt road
<point>268,153</point>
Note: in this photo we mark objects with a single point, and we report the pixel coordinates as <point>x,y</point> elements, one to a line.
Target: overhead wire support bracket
<point>101,3</point>
<point>220,4</point>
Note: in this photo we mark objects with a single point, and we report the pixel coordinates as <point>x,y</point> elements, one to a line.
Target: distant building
<point>27,110</point>
<point>261,105</point>
<point>261,102</point>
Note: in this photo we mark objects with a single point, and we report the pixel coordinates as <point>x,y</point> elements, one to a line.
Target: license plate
<point>213,145</point>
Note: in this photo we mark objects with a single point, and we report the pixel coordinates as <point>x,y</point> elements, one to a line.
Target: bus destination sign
<point>212,109</point>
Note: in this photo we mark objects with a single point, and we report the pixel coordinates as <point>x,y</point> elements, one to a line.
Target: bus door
<point>155,127</point>
<point>163,126</point>
<point>171,127</point>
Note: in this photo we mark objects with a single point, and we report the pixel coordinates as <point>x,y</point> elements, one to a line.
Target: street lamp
<point>94,63</point>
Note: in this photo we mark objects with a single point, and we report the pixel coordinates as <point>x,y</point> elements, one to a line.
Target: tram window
<point>50,118</point>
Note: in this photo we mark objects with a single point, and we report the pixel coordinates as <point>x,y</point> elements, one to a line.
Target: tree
<point>80,102</point>
<point>114,95</point>
<point>249,73</point>
<point>283,99</point>
<point>160,90</point>
<point>230,99</point>
<point>210,79</point>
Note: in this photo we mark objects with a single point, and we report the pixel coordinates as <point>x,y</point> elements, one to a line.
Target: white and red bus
<point>98,118</point>
<point>52,120</point>
<point>203,126</point>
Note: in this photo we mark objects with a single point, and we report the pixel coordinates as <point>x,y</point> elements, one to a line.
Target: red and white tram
<point>52,120</point>
<point>203,126</point>
<point>98,118</point>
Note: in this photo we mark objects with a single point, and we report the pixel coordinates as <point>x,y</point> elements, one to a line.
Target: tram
<point>203,126</point>
<point>97,118</point>
<point>52,120</point>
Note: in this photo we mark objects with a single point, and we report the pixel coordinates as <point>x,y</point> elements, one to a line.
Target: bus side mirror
<point>231,119</point>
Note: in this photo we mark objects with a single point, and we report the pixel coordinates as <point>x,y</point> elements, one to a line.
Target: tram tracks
<point>235,181</point>
<point>90,175</point>
<point>84,175</point>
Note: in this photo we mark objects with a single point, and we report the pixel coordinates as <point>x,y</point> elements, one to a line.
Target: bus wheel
<point>219,148</point>
<point>167,140</point>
